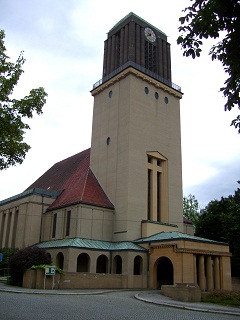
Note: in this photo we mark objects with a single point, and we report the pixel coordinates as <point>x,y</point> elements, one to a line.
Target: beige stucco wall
<point>86,222</point>
<point>151,228</point>
<point>20,220</point>
<point>183,257</point>
<point>71,256</point>
<point>136,123</point>
<point>188,228</point>
<point>34,279</point>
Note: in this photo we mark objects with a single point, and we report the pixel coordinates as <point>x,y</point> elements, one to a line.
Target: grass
<point>227,298</point>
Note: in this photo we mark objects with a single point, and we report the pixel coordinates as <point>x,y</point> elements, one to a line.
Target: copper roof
<point>175,235</point>
<point>76,180</point>
<point>90,244</point>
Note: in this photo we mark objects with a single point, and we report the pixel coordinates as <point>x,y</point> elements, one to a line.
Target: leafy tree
<point>191,208</point>
<point>220,221</point>
<point>12,111</point>
<point>216,19</point>
<point>6,252</point>
<point>24,259</point>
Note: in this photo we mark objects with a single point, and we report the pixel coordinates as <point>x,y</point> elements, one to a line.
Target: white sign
<point>49,270</point>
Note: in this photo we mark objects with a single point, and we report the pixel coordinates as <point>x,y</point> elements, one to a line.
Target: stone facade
<point>112,216</point>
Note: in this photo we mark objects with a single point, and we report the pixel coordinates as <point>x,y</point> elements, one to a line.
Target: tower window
<point>54,225</point>
<point>157,188</point>
<point>156,95</point>
<point>150,56</point>
<point>146,90</point>
<point>166,100</point>
<point>68,223</point>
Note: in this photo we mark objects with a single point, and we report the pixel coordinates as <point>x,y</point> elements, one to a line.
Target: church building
<point>111,216</point>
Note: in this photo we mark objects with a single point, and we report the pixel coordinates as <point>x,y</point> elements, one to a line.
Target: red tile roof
<point>76,180</point>
<point>185,220</point>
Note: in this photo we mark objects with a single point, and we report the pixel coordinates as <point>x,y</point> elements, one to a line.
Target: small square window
<point>149,160</point>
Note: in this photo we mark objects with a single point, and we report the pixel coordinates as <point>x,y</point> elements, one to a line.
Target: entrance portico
<point>181,258</point>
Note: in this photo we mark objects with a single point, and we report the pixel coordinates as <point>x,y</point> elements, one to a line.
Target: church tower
<point>136,138</point>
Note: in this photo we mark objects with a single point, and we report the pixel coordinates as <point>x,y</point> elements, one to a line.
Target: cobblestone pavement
<point>96,304</point>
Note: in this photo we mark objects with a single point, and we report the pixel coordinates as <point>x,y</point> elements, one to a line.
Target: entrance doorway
<point>164,272</point>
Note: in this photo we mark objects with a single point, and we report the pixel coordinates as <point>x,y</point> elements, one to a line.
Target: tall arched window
<point>102,264</point>
<point>137,265</point>
<point>60,260</point>
<point>117,265</point>
<point>157,187</point>
<point>83,263</point>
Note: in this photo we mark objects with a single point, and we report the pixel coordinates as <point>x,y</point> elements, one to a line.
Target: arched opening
<point>60,260</point>
<point>164,272</point>
<point>117,265</point>
<point>49,255</point>
<point>83,262</point>
<point>102,264</point>
<point>137,265</point>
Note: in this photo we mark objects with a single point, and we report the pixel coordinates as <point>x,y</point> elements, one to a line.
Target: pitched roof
<point>77,182</point>
<point>90,244</point>
<point>175,235</point>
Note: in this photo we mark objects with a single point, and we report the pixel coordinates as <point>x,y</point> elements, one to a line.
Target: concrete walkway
<point>149,296</point>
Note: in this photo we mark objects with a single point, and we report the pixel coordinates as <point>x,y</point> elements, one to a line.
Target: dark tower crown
<point>134,42</point>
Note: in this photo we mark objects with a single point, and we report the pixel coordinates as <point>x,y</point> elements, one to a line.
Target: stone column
<point>209,274</point>
<point>216,274</point>
<point>201,271</point>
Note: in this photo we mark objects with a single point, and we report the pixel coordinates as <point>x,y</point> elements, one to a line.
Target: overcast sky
<point>63,41</point>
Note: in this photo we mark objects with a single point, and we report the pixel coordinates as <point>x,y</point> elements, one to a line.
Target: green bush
<point>223,297</point>
<point>24,259</point>
<point>7,253</point>
<point>42,267</point>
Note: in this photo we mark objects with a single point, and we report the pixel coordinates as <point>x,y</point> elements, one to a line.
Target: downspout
<point>110,266</point>
<point>40,238</point>
<point>148,263</point>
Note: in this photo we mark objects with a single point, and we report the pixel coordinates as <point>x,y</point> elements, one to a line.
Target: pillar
<point>209,274</point>
<point>216,274</point>
<point>201,273</point>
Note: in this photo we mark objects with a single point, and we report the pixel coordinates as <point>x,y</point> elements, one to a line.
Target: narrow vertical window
<point>157,187</point>
<point>54,225</point>
<point>158,196</point>
<point>149,194</point>
<point>2,230</point>
<point>68,223</point>
<point>15,223</point>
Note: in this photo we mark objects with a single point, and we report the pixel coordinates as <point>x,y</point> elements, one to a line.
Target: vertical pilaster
<point>11,224</point>
<point>209,273</point>
<point>201,270</point>
<point>5,231</point>
<point>216,274</point>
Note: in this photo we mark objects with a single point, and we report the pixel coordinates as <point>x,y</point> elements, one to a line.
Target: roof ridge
<point>85,182</point>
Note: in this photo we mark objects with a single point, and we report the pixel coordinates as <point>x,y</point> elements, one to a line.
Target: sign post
<point>49,271</point>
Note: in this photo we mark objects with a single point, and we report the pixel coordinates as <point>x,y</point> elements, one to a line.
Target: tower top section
<point>133,17</point>
<point>133,42</point>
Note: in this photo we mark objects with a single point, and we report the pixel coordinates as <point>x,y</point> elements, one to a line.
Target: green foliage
<point>191,208</point>
<point>24,259</point>
<point>220,221</point>
<point>7,253</point>
<point>12,147</point>
<point>214,19</point>
<point>42,267</point>
<point>231,298</point>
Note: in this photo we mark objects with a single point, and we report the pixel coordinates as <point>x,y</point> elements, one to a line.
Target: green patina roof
<point>133,14</point>
<point>169,236</point>
<point>90,244</point>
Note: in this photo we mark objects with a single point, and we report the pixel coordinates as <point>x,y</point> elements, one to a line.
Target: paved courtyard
<point>106,305</point>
